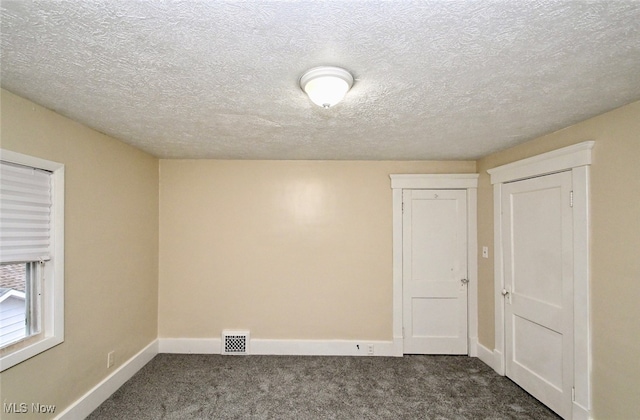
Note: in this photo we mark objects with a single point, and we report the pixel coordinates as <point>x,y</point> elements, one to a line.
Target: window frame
<point>52,300</point>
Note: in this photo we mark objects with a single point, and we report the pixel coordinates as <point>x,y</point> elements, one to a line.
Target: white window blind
<point>25,213</point>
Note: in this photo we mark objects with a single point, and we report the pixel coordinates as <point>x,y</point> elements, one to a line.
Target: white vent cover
<point>235,342</point>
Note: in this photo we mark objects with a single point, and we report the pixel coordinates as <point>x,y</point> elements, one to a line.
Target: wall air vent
<point>235,342</point>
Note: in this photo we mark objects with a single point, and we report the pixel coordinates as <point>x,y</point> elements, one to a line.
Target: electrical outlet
<point>110,358</point>
<point>370,349</point>
<point>485,252</point>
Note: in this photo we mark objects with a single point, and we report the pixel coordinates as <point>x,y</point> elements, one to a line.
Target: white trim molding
<point>53,298</point>
<point>468,182</point>
<point>190,345</point>
<point>576,159</point>
<point>581,298</point>
<point>85,405</point>
<point>434,181</point>
<point>559,160</point>
<point>485,355</point>
<point>261,346</point>
<point>499,364</point>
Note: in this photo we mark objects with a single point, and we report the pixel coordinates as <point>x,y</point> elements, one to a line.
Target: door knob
<point>464,281</point>
<point>507,296</point>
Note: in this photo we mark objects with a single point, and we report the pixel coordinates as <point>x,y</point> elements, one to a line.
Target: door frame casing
<point>468,182</point>
<point>577,159</point>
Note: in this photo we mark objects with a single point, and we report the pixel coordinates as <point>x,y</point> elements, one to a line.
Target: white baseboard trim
<point>190,345</point>
<point>398,346</point>
<point>259,346</point>
<point>82,407</point>
<point>485,355</point>
<point>322,347</point>
<point>498,362</point>
<point>473,346</point>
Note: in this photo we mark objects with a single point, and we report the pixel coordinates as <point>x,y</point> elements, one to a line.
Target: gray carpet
<point>181,387</point>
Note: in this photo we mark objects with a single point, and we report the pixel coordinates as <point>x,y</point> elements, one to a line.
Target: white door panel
<point>434,264</point>
<point>538,265</point>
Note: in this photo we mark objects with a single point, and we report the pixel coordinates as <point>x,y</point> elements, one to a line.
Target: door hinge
<point>573,394</point>
<point>571,199</point>
<point>403,206</point>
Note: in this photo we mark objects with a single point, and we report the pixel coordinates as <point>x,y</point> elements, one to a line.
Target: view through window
<point>13,303</point>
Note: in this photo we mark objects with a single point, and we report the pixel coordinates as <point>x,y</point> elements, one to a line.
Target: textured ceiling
<point>219,79</point>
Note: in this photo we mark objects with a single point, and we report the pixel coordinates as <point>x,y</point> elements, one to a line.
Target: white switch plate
<point>485,252</point>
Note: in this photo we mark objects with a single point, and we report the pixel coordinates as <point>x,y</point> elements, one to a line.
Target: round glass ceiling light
<point>326,86</point>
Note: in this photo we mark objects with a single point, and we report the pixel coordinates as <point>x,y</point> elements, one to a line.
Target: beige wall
<point>286,249</point>
<point>615,248</point>
<point>111,257</point>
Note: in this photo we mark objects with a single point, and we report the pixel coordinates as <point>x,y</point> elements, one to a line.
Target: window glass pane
<point>13,303</point>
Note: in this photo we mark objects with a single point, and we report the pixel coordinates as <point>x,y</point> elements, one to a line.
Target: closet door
<point>435,271</point>
<point>537,228</point>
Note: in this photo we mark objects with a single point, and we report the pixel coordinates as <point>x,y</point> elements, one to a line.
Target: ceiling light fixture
<point>326,86</point>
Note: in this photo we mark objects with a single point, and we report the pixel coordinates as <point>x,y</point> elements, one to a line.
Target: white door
<point>434,271</point>
<point>537,230</point>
